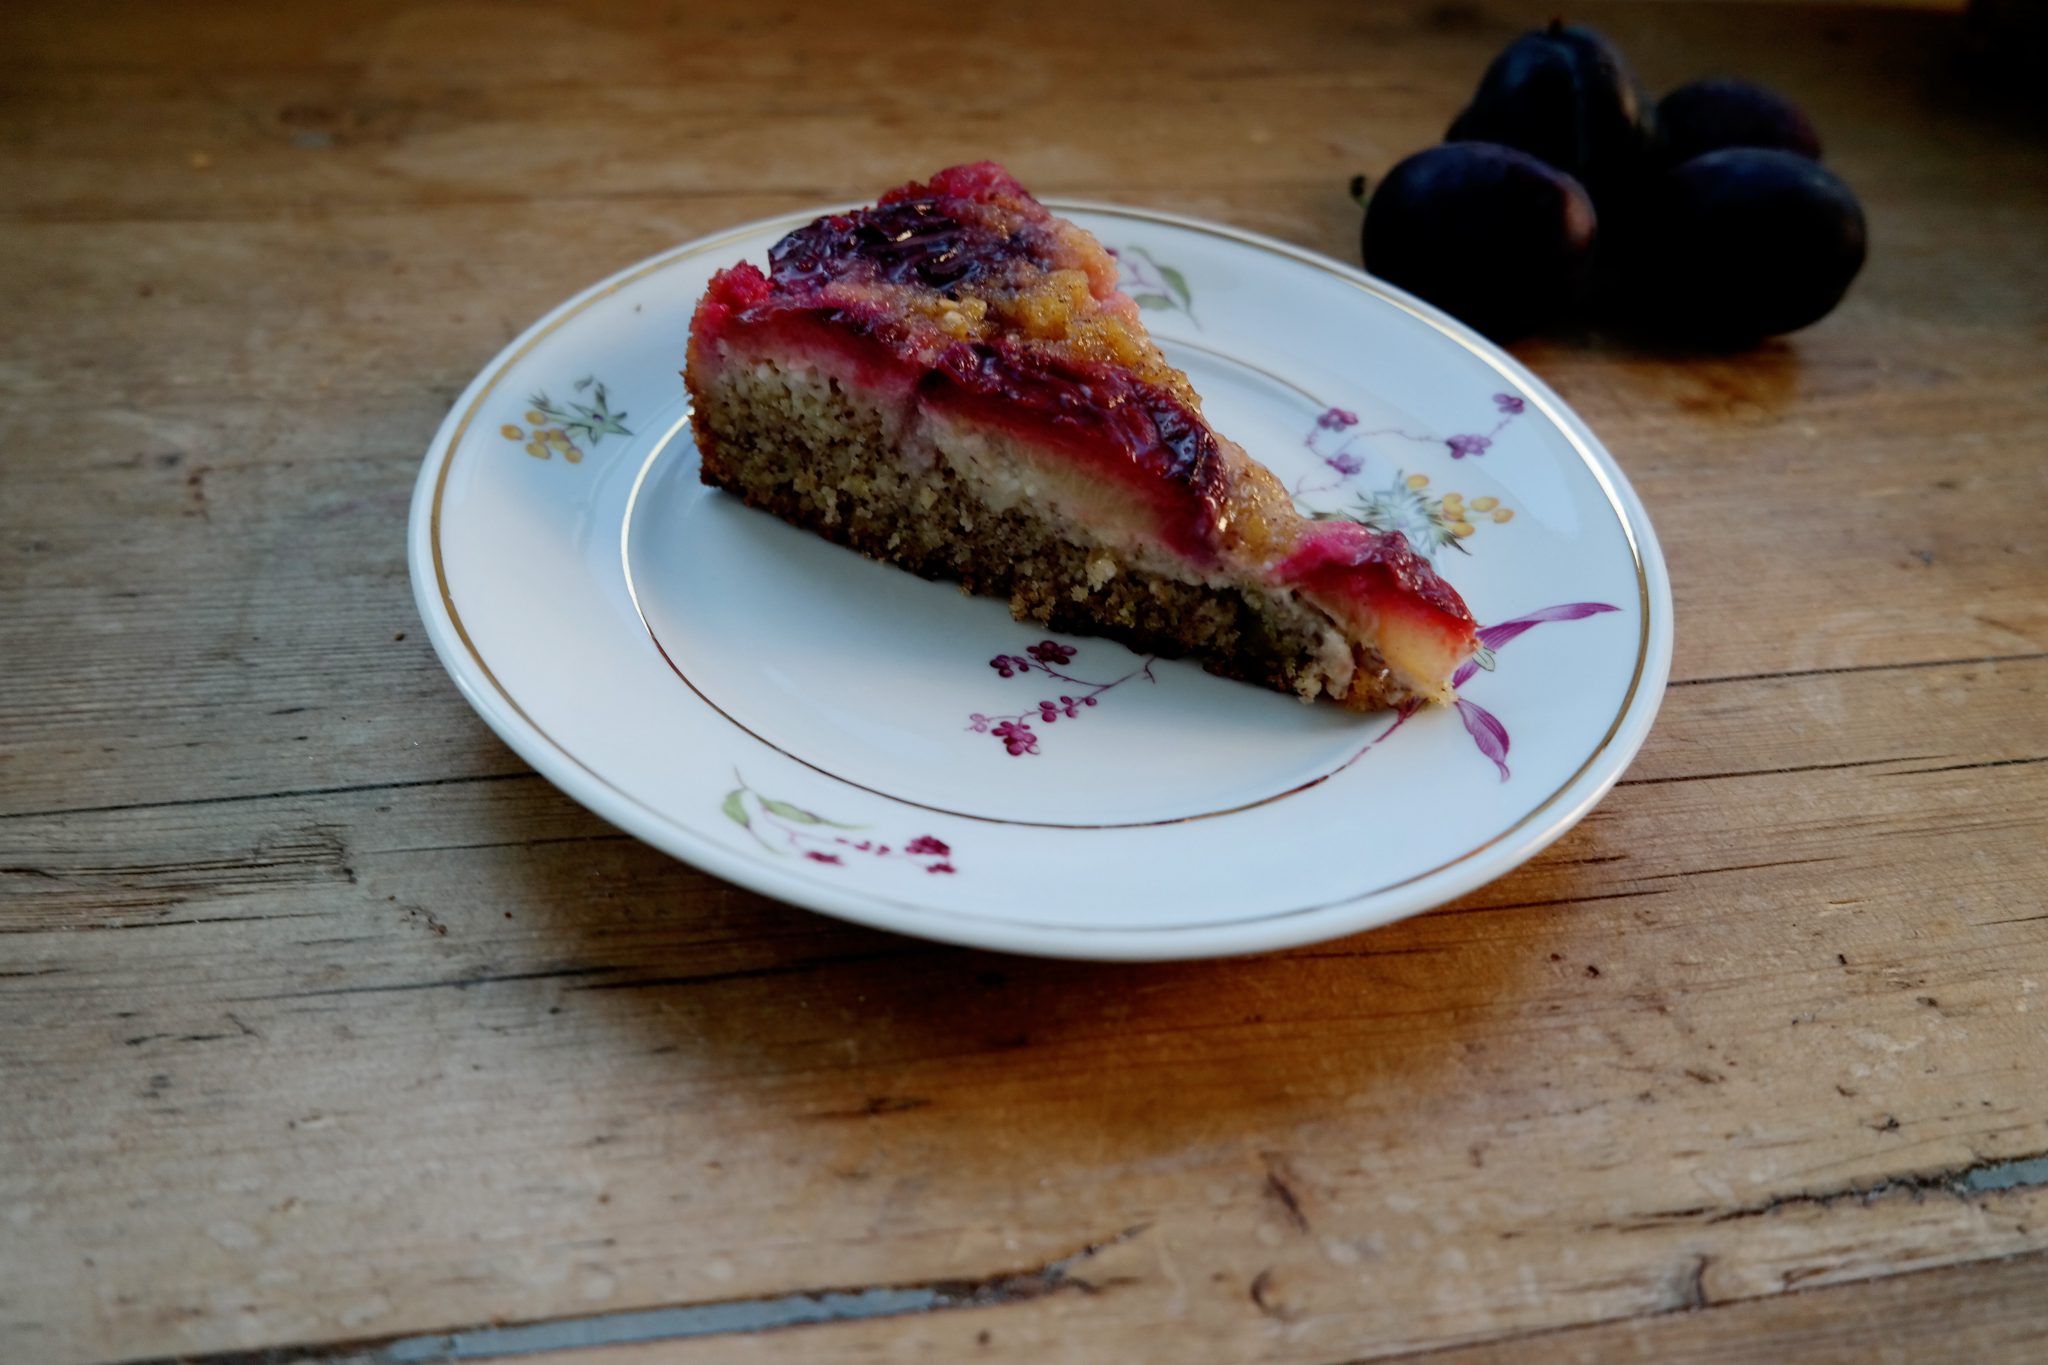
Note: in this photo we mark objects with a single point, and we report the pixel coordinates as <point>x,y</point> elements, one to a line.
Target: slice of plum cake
<point>952,382</point>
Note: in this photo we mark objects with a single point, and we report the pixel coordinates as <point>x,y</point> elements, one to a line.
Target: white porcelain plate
<point>848,737</point>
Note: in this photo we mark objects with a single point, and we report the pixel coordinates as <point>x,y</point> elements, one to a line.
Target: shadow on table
<point>810,1021</point>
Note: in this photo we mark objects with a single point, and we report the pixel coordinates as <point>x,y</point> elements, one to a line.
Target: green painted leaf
<point>1152,300</point>
<point>799,814</point>
<point>1484,658</point>
<point>789,812</point>
<point>735,809</point>
<point>1178,283</point>
<point>586,381</point>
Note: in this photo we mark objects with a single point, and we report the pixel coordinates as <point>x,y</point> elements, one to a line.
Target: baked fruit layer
<point>951,382</point>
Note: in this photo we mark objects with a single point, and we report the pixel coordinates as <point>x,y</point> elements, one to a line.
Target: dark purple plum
<point>1490,235</point>
<point>1565,96</point>
<point>1709,115</point>
<point>1738,245</point>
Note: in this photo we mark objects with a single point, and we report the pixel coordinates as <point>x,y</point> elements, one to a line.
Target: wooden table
<point>324,1022</point>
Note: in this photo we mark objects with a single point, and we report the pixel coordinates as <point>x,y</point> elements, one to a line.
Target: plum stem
<point>1358,184</point>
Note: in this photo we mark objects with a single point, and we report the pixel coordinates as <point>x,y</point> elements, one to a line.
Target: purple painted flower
<point>1461,446</point>
<point>1051,652</point>
<point>817,857</point>
<point>1017,737</point>
<point>1345,463</point>
<point>1508,404</point>
<point>1001,664</point>
<point>1337,419</point>
<point>1495,636</point>
<point>941,867</point>
<point>924,844</point>
<point>1487,732</point>
<point>1486,729</point>
<point>978,723</point>
<point>1048,712</point>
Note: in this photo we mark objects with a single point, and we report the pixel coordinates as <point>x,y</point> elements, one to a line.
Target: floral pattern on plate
<point>1485,728</point>
<point>811,836</point>
<point>1014,731</point>
<point>1153,286</point>
<point>1431,522</point>
<point>553,428</point>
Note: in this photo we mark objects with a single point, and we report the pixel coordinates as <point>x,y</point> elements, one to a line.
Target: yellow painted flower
<point>1461,529</point>
<point>511,433</point>
<point>1504,516</point>
<point>535,418</point>
<point>557,438</point>
<point>537,449</point>
<point>1418,481</point>
<point>1485,504</point>
<point>573,455</point>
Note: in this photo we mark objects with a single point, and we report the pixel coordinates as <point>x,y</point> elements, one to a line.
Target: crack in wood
<point>1969,767</point>
<point>1353,954</point>
<point>449,983</point>
<point>1555,900</point>
<point>796,968</point>
<point>1738,867</point>
<point>1693,1288</point>
<point>1963,1182</point>
<point>723,1317</point>
<point>499,843</point>
<point>874,1107</point>
<point>105,926</point>
<point>1776,772</point>
<point>1280,1188</point>
<point>317,855</point>
<point>1859,668</point>
<point>1528,1342</point>
<point>288,794</point>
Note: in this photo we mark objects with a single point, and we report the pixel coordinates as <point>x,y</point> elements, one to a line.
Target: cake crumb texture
<point>792,441</point>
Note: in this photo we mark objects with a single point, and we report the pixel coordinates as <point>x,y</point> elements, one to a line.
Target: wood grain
<point>325,1023</point>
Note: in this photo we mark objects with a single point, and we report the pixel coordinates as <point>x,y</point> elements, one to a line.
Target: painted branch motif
<point>1154,286</point>
<point>1048,657</point>
<point>1430,522</point>
<point>788,830</point>
<point>565,429</point>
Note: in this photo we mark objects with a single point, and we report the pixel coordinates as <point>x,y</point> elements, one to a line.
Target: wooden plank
<point>1981,1311</point>
<point>1972,1313</point>
<point>1726,1021</point>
